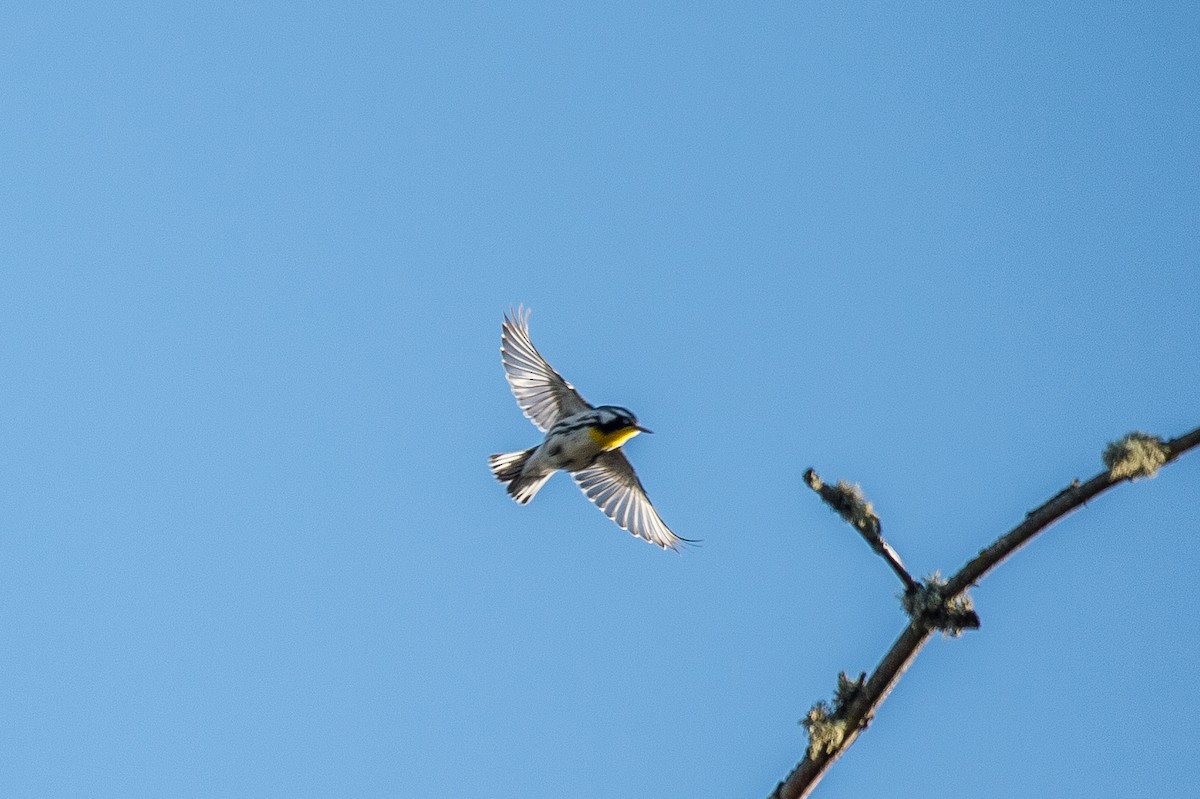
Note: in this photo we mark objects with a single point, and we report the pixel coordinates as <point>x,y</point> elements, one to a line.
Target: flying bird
<point>581,438</point>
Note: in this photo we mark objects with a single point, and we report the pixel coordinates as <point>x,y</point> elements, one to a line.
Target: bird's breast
<point>612,440</point>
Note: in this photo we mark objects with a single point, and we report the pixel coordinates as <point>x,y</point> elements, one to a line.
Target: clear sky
<point>255,258</point>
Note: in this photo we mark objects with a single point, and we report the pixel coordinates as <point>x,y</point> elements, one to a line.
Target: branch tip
<point>849,501</point>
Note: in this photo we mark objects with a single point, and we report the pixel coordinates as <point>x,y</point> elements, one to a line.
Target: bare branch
<point>1064,502</point>
<point>1136,455</point>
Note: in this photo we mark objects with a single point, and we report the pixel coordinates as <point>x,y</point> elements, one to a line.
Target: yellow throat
<point>607,441</point>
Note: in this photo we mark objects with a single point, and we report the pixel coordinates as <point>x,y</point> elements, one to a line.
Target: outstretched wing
<point>540,391</point>
<point>612,484</point>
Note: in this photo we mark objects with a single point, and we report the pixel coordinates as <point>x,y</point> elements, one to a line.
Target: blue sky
<point>256,257</point>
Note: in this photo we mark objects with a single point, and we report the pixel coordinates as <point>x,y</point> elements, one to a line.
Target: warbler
<point>582,439</point>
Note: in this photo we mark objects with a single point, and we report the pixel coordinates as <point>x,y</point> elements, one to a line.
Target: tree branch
<point>1136,455</point>
<point>849,502</point>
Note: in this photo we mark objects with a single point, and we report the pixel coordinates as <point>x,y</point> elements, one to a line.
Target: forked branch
<point>934,604</point>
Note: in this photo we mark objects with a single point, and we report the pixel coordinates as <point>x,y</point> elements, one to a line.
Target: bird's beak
<point>644,429</point>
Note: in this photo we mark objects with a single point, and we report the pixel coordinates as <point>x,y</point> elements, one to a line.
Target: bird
<point>582,439</point>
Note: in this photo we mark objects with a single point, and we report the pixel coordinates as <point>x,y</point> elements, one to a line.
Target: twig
<point>1134,456</point>
<point>849,502</point>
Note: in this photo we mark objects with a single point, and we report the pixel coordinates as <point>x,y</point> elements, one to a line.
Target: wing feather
<point>615,488</point>
<point>542,393</point>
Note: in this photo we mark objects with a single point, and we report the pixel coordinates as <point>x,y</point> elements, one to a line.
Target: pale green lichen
<point>825,724</point>
<point>927,603</point>
<point>849,501</point>
<point>825,731</point>
<point>1136,455</point>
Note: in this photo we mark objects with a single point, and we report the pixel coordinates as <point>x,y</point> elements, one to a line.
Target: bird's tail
<point>508,467</point>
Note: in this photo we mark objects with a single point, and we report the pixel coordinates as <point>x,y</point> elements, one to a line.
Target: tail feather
<point>508,467</point>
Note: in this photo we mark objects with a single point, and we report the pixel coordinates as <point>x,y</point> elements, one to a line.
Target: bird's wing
<point>540,391</point>
<point>612,484</point>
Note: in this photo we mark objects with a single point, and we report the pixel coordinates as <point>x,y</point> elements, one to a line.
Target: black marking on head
<point>613,418</point>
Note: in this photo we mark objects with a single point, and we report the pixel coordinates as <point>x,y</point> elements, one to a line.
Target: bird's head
<point>614,426</point>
